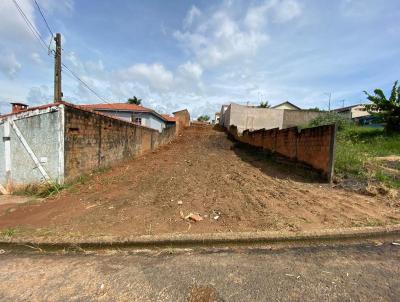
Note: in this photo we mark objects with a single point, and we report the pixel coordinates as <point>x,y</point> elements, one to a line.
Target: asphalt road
<point>364,272</point>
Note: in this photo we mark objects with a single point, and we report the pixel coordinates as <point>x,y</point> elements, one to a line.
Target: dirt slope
<point>206,173</point>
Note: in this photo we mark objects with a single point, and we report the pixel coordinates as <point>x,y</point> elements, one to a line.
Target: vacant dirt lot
<point>201,172</point>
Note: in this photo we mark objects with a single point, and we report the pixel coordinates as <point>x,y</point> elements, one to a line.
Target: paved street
<point>358,273</point>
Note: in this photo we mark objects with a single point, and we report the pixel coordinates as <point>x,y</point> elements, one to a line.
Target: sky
<point>202,54</point>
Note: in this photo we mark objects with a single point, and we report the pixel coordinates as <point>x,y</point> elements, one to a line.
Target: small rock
<point>194,217</point>
<point>396,243</point>
<point>2,251</point>
<point>180,202</point>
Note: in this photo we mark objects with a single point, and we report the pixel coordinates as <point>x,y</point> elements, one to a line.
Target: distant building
<point>182,119</point>
<point>287,106</point>
<point>254,117</point>
<point>356,112</point>
<point>216,119</point>
<point>133,113</point>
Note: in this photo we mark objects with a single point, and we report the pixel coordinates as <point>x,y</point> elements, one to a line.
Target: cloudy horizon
<point>201,54</point>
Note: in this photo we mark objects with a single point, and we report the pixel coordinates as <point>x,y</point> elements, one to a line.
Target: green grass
<point>357,147</point>
<point>9,232</point>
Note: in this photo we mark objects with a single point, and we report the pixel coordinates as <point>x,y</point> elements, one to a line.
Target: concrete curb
<point>208,240</point>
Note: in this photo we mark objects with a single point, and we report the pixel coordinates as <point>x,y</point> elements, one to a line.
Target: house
<point>286,105</point>
<point>133,113</point>
<point>355,112</point>
<point>254,117</point>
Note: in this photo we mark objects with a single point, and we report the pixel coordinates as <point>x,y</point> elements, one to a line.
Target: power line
<point>84,83</point>
<point>31,27</point>
<point>38,36</point>
<point>44,18</point>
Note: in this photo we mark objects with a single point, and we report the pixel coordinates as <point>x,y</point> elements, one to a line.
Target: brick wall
<point>182,120</point>
<point>314,147</point>
<point>93,141</point>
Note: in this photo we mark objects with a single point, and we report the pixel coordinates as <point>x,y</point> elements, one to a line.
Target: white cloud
<point>256,16</point>
<point>9,64</point>
<point>219,38</point>
<point>39,95</point>
<point>12,26</point>
<point>286,10</point>
<point>190,70</point>
<point>156,75</point>
<point>36,58</point>
<point>59,6</point>
<point>192,14</point>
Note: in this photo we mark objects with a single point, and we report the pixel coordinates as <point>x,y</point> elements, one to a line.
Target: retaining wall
<point>314,147</point>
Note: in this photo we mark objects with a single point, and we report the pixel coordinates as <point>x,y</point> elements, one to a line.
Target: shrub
<point>331,118</point>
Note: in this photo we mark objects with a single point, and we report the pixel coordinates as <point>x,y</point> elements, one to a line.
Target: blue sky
<point>201,54</point>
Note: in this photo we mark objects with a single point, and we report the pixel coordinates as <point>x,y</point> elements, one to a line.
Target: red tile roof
<point>169,118</point>
<point>117,106</point>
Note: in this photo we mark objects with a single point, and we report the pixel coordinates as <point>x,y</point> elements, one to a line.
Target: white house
<point>134,113</point>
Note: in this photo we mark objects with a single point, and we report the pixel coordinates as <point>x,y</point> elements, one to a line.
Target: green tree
<point>315,109</point>
<point>203,118</point>
<point>388,110</point>
<point>264,104</point>
<point>134,100</point>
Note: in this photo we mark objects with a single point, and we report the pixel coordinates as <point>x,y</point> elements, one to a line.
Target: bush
<point>331,118</point>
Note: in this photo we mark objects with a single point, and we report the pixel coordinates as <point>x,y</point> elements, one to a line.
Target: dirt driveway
<point>201,172</point>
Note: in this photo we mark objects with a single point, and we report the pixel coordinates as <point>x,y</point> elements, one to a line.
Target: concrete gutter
<point>206,240</point>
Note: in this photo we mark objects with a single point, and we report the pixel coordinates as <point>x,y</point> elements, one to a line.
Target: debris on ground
<point>2,251</point>
<point>215,215</point>
<point>180,202</point>
<point>396,243</point>
<point>195,217</point>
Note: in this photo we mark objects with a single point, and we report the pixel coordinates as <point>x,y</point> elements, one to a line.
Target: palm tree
<point>264,104</point>
<point>386,109</point>
<point>134,100</point>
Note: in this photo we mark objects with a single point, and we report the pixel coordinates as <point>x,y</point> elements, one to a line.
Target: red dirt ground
<point>205,172</point>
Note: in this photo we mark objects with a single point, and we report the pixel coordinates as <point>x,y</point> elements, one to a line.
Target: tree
<point>264,104</point>
<point>203,118</point>
<point>315,109</point>
<point>134,100</point>
<point>388,110</point>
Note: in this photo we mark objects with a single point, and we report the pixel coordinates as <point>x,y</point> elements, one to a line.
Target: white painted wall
<point>148,119</point>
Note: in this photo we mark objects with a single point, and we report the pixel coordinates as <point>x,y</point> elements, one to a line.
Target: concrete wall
<point>42,131</point>
<point>294,118</point>
<point>253,118</point>
<point>93,141</point>
<point>244,117</point>
<point>314,147</point>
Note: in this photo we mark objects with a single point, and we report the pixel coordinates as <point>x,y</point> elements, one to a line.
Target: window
<point>138,120</point>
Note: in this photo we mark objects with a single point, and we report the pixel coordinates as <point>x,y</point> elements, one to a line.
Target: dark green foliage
<point>388,110</point>
<point>134,101</point>
<point>203,118</point>
<point>264,105</point>
<point>331,118</point>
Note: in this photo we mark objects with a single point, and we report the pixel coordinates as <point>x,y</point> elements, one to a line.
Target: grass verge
<point>357,150</point>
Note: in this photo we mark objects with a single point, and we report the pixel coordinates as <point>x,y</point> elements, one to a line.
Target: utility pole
<point>57,69</point>
<point>329,101</point>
